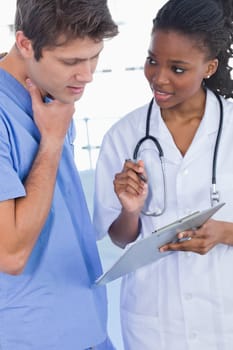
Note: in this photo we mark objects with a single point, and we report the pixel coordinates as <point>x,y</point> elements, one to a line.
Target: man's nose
<point>85,72</point>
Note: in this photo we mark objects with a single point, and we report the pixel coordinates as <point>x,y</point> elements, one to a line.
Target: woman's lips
<point>162,96</point>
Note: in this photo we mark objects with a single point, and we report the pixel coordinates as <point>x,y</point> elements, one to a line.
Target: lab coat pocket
<point>140,331</point>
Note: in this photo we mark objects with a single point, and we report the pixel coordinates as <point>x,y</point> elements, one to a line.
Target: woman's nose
<point>160,77</point>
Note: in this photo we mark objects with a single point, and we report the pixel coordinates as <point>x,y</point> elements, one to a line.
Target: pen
<point>141,176</point>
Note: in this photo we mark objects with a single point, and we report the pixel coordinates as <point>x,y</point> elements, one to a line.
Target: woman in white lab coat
<point>183,301</point>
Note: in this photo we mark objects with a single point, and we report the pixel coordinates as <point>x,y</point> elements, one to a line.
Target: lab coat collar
<point>207,128</point>
<point>209,122</point>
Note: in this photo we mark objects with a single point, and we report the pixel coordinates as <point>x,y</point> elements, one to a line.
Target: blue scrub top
<point>52,304</point>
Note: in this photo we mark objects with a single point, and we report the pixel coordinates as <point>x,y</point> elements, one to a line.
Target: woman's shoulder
<point>228,109</point>
<point>227,103</point>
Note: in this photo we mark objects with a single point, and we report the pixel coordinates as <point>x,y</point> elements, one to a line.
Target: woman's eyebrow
<point>174,61</point>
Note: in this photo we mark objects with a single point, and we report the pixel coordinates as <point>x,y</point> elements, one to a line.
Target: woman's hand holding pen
<point>202,240</point>
<point>131,186</point>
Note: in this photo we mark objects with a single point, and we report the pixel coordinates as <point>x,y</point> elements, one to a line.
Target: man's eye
<point>70,63</point>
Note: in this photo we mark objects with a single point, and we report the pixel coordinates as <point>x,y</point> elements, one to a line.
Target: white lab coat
<point>185,300</point>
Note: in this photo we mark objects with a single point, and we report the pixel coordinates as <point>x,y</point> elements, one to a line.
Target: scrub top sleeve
<point>10,184</point>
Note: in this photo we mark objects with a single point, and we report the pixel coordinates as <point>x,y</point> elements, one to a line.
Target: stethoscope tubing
<point>214,192</point>
<point>216,148</point>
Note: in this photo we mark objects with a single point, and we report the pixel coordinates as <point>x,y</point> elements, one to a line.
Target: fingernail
<point>180,235</point>
<point>28,82</point>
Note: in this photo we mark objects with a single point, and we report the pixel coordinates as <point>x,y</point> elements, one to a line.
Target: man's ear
<point>24,45</point>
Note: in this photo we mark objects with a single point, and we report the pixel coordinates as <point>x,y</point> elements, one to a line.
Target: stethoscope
<point>214,193</point>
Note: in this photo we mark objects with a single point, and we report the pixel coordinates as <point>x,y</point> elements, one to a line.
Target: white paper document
<point>146,250</point>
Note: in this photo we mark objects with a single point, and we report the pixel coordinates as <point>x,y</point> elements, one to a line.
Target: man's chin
<point>65,100</point>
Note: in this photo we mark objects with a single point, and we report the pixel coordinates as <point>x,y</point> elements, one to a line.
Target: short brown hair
<point>44,22</point>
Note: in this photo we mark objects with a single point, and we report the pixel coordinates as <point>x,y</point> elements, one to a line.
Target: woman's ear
<point>24,45</point>
<point>212,67</point>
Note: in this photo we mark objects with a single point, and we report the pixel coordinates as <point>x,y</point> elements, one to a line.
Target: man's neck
<point>13,64</point>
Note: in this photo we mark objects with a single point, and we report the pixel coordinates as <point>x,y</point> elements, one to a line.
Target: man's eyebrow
<point>79,59</point>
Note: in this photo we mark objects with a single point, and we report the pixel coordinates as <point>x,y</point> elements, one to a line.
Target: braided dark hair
<point>210,24</point>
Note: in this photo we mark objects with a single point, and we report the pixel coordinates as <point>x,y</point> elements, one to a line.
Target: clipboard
<point>146,250</point>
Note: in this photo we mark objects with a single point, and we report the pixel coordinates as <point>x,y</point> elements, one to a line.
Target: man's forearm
<point>31,211</point>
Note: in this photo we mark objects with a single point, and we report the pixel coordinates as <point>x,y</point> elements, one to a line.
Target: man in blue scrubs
<point>48,254</point>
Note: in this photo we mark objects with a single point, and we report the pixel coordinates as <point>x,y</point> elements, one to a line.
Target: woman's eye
<point>150,60</point>
<point>178,70</point>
